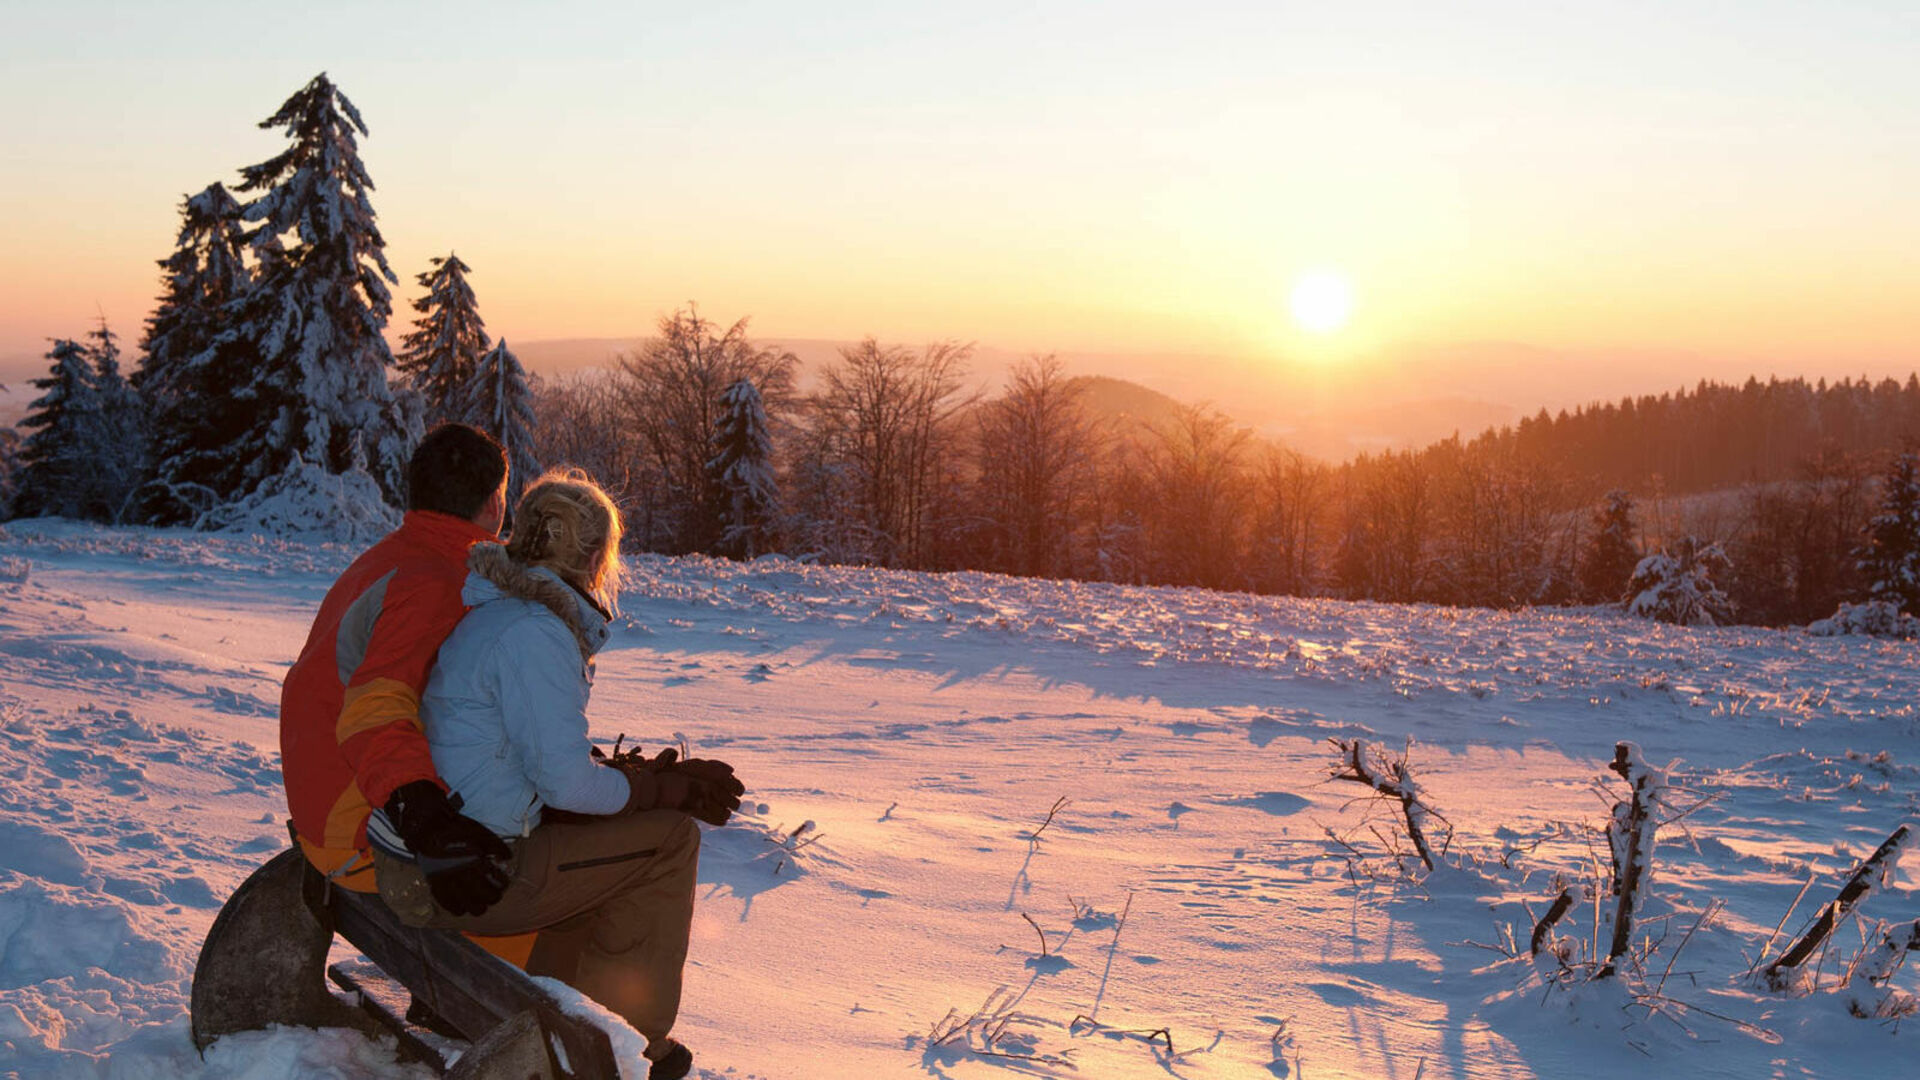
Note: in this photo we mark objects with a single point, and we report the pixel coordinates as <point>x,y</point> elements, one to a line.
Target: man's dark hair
<point>454,470</point>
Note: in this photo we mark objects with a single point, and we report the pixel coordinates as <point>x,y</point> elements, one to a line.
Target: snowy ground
<point>926,725</point>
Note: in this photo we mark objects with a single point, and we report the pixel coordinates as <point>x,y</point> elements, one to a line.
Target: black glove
<point>707,791</point>
<point>456,853</point>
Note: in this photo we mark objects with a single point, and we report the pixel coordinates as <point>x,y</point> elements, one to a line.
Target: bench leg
<point>264,960</point>
<point>516,1049</point>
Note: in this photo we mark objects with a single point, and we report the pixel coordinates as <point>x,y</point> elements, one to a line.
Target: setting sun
<point>1321,301</point>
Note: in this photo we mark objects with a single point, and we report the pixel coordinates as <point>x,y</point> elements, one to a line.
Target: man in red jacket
<point>350,736</point>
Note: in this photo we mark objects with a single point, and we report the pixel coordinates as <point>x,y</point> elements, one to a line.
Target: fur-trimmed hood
<point>496,576</point>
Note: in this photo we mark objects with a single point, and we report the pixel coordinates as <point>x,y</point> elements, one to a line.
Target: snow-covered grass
<point>1205,902</point>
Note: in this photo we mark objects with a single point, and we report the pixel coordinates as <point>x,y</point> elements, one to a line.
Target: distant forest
<point>890,463</point>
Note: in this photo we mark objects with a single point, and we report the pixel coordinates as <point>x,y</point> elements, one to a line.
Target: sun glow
<point>1321,301</point>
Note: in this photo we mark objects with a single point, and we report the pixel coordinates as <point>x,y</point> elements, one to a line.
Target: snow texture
<point>925,724</point>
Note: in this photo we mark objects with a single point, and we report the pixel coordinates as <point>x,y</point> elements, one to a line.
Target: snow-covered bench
<point>263,960</point>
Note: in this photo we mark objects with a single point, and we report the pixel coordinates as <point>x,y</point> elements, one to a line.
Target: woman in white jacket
<point>608,884</point>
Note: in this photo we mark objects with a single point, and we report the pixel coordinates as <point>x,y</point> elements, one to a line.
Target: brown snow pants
<point>611,898</point>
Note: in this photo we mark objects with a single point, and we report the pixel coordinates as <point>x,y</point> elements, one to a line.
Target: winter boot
<point>675,1061</point>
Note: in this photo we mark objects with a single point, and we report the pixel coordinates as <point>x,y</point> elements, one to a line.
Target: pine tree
<point>1614,553</point>
<point>448,339</point>
<point>742,472</point>
<point>65,426</point>
<point>119,454</point>
<point>498,400</point>
<point>1890,558</point>
<point>206,271</point>
<point>302,361</point>
<point>205,275</point>
<point>1678,586</point>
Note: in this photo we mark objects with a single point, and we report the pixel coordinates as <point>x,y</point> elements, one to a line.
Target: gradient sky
<point>1737,181</point>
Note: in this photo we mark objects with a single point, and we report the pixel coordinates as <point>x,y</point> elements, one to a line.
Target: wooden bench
<point>263,960</point>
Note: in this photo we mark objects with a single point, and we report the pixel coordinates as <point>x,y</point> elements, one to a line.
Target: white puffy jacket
<point>505,709</point>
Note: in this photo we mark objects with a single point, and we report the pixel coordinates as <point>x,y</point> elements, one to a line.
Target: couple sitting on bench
<point>435,750</point>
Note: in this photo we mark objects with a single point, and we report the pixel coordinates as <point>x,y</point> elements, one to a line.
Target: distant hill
<point>1110,397</point>
<point>1274,400</point>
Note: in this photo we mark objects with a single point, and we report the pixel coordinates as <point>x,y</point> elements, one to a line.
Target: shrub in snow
<point>308,502</point>
<point>1874,618</point>
<point>1678,587</point>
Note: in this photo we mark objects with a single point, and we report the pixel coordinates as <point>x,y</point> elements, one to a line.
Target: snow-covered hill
<point>1203,903</point>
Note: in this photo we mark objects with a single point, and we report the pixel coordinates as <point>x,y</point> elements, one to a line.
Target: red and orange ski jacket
<point>350,708</point>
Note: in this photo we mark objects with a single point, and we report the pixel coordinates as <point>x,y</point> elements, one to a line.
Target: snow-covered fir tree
<point>301,359</point>
<point>206,271</point>
<point>1614,553</point>
<point>64,432</point>
<point>498,399</point>
<point>1890,558</point>
<point>742,470</point>
<point>448,338</point>
<point>120,453</point>
<point>1678,586</point>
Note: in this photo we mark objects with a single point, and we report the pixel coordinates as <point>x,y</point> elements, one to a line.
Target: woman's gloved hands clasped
<point>704,788</point>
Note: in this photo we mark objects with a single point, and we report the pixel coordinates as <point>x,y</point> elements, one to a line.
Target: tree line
<point>265,360</point>
<point>893,460</point>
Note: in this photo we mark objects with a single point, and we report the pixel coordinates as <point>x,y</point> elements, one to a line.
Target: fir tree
<point>302,362</point>
<point>1890,558</point>
<point>498,400</point>
<point>1614,553</point>
<point>1678,586</point>
<point>65,426</point>
<point>448,339</point>
<point>206,271</point>
<point>205,275</point>
<point>742,472</point>
<point>119,453</point>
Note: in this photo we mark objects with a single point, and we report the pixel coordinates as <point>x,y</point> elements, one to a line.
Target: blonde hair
<point>566,523</point>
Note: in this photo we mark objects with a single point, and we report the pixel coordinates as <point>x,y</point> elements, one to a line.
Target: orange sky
<point>1740,184</point>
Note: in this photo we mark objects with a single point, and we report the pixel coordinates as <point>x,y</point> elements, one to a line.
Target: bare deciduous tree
<point>1294,494</point>
<point>884,415</point>
<point>670,392</point>
<point>1035,448</point>
<point>1197,486</point>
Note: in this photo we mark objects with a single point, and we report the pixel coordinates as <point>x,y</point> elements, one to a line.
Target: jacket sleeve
<point>543,698</point>
<point>379,728</point>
